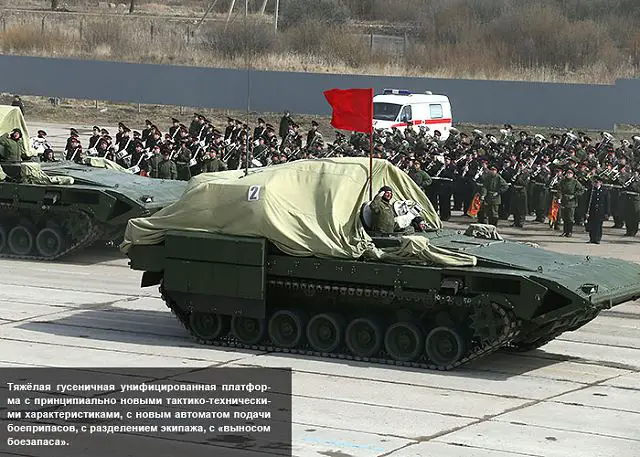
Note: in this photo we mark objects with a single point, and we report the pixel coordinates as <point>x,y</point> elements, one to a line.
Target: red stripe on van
<point>428,122</point>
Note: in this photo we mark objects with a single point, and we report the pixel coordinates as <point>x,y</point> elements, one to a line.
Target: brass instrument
<point>478,173</point>
<point>629,181</point>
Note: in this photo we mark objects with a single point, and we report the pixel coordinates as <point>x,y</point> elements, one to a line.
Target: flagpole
<point>371,149</point>
<point>371,165</point>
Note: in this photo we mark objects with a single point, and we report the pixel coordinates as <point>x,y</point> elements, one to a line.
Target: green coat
<point>167,170</point>
<point>155,160</point>
<point>382,216</point>
<point>633,196</point>
<point>10,149</point>
<point>421,178</point>
<point>568,191</point>
<point>492,187</point>
<point>213,165</point>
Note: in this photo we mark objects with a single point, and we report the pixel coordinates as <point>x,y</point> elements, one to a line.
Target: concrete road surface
<point>577,396</point>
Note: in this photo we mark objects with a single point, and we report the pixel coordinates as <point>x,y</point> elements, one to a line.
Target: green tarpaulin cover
<point>306,208</point>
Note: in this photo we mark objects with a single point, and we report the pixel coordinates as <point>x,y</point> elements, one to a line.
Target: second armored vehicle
<point>50,210</point>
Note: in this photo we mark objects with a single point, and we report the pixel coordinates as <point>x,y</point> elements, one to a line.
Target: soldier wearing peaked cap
<point>229,129</point>
<point>147,131</point>
<point>260,130</point>
<point>491,188</point>
<point>313,136</point>
<point>121,130</point>
<point>569,190</point>
<point>167,167</point>
<point>175,127</point>
<point>597,210</point>
<point>194,127</point>
<point>95,137</point>
<point>285,123</point>
<point>73,133</point>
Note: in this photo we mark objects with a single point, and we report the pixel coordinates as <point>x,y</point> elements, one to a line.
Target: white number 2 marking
<point>254,193</point>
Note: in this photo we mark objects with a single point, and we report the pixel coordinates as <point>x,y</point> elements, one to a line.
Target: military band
<point>493,177</point>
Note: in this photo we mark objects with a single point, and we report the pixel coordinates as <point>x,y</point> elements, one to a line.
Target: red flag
<point>352,109</point>
<point>474,208</point>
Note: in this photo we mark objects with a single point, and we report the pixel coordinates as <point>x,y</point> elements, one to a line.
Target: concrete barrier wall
<point>474,101</point>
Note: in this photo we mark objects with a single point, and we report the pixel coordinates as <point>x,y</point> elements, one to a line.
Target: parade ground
<point>576,396</point>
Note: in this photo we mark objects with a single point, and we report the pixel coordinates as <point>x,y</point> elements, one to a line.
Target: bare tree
<point>132,6</point>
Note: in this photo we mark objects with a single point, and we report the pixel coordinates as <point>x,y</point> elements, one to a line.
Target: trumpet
<point>629,181</point>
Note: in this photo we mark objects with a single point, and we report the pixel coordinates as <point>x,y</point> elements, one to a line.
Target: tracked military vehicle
<point>280,260</point>
<point>50,210</point>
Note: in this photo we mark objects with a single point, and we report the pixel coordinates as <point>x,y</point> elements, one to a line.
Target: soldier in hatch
<point>12,147</point>
<point>382,215</point>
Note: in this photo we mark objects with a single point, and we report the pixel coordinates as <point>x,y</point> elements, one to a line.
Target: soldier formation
<point>516,174</point>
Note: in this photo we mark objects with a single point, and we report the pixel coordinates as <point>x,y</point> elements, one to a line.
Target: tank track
<point>568,323</point>
<point>89,237</point>
<point>510,329</point>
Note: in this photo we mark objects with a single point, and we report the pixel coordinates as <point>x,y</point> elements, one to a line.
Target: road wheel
<point>444,346</point>
<point>49,242</point>
<point>208,326</point>
<point>286,328</point>
<point>20,240</point>
<point>364,337</point>
<point>248,330</point>
<point>404,341</point>
<point>325,332</point>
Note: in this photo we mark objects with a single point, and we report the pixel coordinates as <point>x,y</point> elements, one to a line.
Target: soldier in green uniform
<point>632,207</point>
<point>183,157</point>
<point>382,215</point>
<point>420,177</point>
<point>154,161</point>
<point>167,168</point>
<point>212,163</point>
<point>518,203</point>
<point>569,190</point>
<point>492,185</point>
<point>12,147</point>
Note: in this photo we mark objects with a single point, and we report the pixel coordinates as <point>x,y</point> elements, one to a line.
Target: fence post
<point>139,110</point>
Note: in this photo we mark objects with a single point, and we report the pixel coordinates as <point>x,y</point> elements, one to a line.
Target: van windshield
<point>386,111</point>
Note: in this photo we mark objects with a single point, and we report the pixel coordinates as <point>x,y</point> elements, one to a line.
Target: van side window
<point>405,114</point>
<point>435,111</point>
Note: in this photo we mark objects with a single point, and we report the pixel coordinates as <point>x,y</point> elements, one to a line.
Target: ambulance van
<point>396,108</point>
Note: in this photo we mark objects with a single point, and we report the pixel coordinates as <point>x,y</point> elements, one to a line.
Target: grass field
<point>593,41</point>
